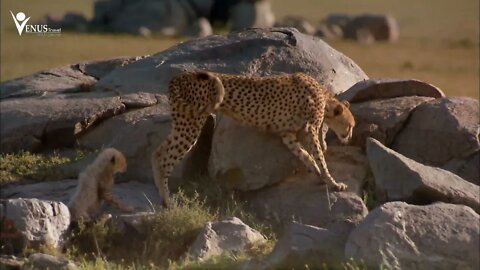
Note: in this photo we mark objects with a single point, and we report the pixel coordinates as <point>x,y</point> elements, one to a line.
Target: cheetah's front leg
<point>292,143</point>
<point>323,135</point>
<point>315,146</point>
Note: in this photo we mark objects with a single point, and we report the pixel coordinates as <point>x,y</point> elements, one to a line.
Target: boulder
<point>302,245</point>
<point>262,159</point>
<point>380,27</point>
<point>466,168</point>
<point>382,119</point>
<point>251,52</point>
<point>400,178</point>
<point>306,200</point>
<point>228,235</point>
<point>440,130</point>
<point>338,19</point>
<point>401,236</point>
<point>33,223</point>
<point>249,14</point>
<point>200,28</point>
<point>329,31</point>
<point>371,89</point>
<point>40,261</point>
<point>132,193</point>
<point>301,24</point>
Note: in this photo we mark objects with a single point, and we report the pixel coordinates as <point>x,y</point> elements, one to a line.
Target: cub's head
<point>339,118</point>
<point>115,159</point>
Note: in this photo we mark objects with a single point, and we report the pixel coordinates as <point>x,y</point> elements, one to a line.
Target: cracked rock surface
<point>403,236</point>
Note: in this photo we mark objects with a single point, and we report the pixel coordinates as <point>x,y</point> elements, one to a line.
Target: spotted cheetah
<point>292,106</point>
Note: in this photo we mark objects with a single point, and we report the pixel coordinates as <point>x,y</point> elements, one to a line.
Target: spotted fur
<point>291,106</point>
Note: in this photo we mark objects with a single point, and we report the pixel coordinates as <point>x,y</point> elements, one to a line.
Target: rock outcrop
<point>402,236</point>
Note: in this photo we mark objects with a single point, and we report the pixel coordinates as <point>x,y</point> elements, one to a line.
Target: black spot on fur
<point>112,160</point>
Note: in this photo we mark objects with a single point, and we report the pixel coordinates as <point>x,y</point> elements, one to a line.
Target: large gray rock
<point>228,235</point>
<point>261,159</point>
<point>303,197</point>
<point>382,119</point>
<point>251,52</point>
<point>400,178</point>
<point>33,223</point>
<point>302,245</point>
<point>441,130</point>
<point>466,168</point>
<point>249,14</point>
<point>300,23</point>
<point>378,26</point>
<point>132,193</point>
<point>402,236</point>
<point>389,88</point>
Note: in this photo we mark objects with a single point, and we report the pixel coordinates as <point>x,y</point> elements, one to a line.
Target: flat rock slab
<point>400,178</point>
<point>402,236</point>
<point>389,88</point>
<point>305,201</point>
<point>33,123</point>
<point>251,52</point>
<point>382,119</point>
<point>132,193</point>
<point>68,79</point>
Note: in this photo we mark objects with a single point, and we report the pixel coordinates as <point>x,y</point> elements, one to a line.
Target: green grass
<point>439,40</point>
<point>26,165</point>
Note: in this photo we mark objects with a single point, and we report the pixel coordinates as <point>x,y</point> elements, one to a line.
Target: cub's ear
<point>203,75</point>
<point>338,110</point>
<point>346,103</point>
<point>112,160</point>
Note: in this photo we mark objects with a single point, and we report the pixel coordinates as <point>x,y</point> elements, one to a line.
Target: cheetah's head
<point>339,118</point>
<point>117,160</point>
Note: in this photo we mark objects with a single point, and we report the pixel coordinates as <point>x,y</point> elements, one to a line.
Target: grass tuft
<point>26,165</point>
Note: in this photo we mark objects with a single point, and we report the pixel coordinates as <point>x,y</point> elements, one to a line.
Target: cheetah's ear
<point>202,75</point>
<point>338,110</point>
<point>346,103</point>
<point>112,160</point>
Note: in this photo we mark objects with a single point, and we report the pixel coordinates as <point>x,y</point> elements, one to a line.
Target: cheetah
<point>294,106</point>
<point>95,185</point>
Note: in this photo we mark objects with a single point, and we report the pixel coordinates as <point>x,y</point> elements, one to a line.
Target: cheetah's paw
<point>340,187</point>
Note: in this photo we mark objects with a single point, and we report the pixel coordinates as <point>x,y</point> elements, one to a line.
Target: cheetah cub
<point>292,106</point>
<point>95,185</point>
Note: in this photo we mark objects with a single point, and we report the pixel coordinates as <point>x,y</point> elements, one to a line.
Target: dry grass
<point>439,40</point>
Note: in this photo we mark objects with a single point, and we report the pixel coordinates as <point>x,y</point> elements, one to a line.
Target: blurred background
<point>436,41</point>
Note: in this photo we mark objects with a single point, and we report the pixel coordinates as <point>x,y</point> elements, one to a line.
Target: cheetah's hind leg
<point>177,144</point>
